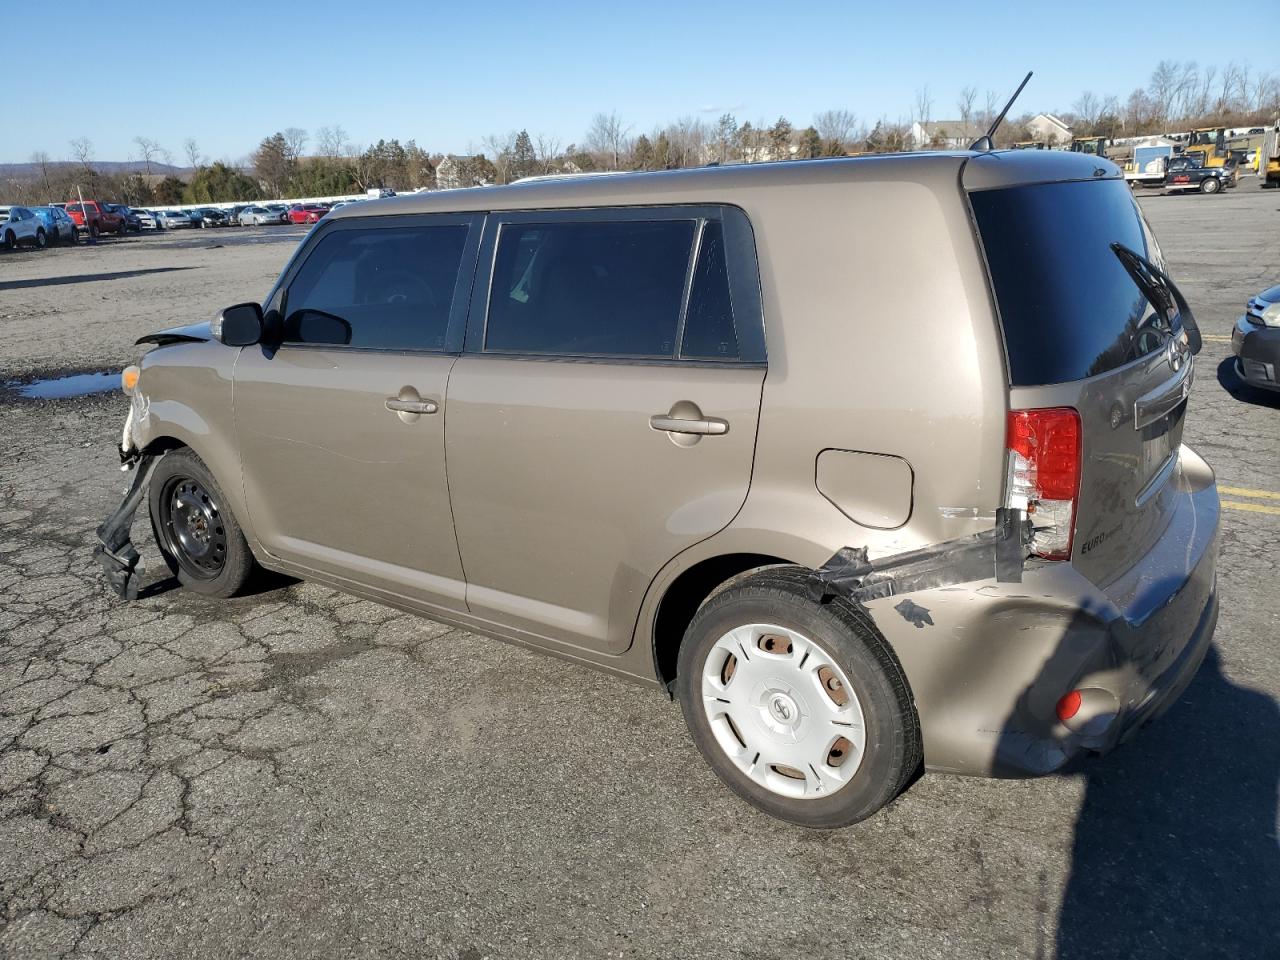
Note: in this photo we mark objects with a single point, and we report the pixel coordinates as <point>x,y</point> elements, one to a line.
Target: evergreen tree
<point>809,144</point>
<point>523,161</point>
<point>780,135</point>
<point>642,153</point>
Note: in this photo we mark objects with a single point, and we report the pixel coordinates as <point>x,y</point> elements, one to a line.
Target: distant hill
<point>28,171</point>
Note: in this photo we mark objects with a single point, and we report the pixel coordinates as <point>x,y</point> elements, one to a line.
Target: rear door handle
<point>701,427</point>
<point>396,405</point>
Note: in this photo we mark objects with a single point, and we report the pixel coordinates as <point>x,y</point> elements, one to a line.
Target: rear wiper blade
<point>1159,288</point>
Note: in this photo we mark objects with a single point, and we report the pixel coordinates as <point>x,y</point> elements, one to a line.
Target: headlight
<point>1271,315</point>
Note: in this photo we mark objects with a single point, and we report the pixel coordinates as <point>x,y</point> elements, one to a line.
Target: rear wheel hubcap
<point>783,711</point>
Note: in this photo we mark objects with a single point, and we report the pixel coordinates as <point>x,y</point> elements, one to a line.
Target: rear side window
<point>636,288</point>
<point>1069,308</point>
<point>392,286</point>
<point>589,288</point>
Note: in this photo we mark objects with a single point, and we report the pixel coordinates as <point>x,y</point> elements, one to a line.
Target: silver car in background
<point>172,220</point>
<point>147,219</point>
<point>256,216</point>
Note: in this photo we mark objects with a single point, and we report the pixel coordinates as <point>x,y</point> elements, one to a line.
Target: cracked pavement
<point>297,773</point>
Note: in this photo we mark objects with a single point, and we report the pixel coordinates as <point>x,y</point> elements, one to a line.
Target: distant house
<point>944,134</point>
<point>455,171</point>
<point>1049,129</point>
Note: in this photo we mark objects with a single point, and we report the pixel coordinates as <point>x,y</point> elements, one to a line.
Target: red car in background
<point>94,218</point>
<point>307,212</point>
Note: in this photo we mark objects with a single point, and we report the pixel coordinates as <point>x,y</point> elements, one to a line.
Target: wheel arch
<point>685,594</point>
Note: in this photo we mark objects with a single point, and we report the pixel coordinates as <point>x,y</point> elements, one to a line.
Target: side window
<point>595,288</point>
<point>387,288</point>
<point>708,328</point>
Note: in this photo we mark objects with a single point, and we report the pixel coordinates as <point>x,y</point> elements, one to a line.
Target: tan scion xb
<point>875,464</point>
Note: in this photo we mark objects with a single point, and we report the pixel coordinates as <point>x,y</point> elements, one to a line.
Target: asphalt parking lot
<point>296,773</point>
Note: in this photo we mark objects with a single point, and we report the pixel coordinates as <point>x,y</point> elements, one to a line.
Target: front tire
<point>10,241</point>
<point>42,240</point>
<point>198,535</point>
<point>1211,185</point>
<point>800,707</point>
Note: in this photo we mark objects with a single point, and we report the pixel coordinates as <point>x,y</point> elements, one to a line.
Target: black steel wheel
<point>195,529</point>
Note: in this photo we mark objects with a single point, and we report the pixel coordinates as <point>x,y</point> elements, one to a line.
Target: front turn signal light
<point>129,379</point>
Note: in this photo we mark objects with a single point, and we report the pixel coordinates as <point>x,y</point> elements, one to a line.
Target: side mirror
<point>239,326</point>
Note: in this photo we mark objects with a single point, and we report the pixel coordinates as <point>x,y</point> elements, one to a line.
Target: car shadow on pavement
<point>1175,851</point>
<point>84,278</point>
<point>262,581</point>
<point>1231,382</point>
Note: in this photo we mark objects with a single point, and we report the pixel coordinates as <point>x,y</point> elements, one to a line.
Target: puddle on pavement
<point>60,388</point>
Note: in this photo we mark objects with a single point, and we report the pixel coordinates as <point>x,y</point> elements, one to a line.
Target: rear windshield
<point>1069,308</point>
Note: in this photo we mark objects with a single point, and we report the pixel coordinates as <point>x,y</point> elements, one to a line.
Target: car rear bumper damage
<point>989,656</point>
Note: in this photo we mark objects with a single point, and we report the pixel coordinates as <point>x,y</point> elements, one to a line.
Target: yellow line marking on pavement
<point>1255,494</point>
<point>1251,507</point>
<point>1214,338</point>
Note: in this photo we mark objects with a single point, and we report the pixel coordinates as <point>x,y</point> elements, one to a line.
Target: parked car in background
<point>132,220</point>
<point>209,217</point>
<point>256,216</point>
<point>280,210</point>
<point>21,225</point>
<point>146,219</point>
<point>994,555</point>
<point>1255,341</point>
<point>60,227</point>
<point>233,214</point>
<point>172,219</point>
<point>307,212</point>
<point>94,218</point>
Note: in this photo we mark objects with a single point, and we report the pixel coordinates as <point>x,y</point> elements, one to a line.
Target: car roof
<point>719,184</point>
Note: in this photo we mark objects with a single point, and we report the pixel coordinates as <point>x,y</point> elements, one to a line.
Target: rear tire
<point>123,229</point>
<point>198,535</point>
<point>778,739</point>
<point>93,231</point>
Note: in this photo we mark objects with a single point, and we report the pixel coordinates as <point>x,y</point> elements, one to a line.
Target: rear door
<point>341,429</point>
<point>603,416</point>
<point>1086,325</point>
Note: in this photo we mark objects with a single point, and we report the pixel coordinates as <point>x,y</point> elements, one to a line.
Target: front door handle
<point>397,405</point>
<point>698,427</point>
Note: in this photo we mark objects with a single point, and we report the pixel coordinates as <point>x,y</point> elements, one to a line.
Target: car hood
<point>191,333</point>
<point>1270,295</point>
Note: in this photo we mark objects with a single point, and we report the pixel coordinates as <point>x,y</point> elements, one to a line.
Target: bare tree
<point>330,141</point>
<point>965,104</point>
<point>836,126</point>
<point>1163,88</point>
<point>295,139</point>
<point>607,137</point>
<point>502,146</point>
<point>924,104</point>
<point>1087,108</point>
<point>82,151</point>
<point>148,149</point>
<point>192,151</point>
<point>990,106</point>
<point>547,150</point>
<point>41,160</point>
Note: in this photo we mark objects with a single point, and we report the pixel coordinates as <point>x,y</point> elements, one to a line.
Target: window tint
<point>589,288</point>
<point>393,286</point>
<point>708,326</point>
<point>1069,308</point>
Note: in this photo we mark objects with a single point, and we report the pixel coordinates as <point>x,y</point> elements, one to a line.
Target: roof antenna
<point>983,144</point>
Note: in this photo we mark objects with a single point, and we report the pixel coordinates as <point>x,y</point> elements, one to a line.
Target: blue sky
<point>450,74</point>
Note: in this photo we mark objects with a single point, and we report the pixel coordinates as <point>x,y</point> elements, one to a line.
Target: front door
<point>603,417</point>
<point>341,429</point>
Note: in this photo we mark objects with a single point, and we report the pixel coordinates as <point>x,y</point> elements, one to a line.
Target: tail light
<point>1044,475</point>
